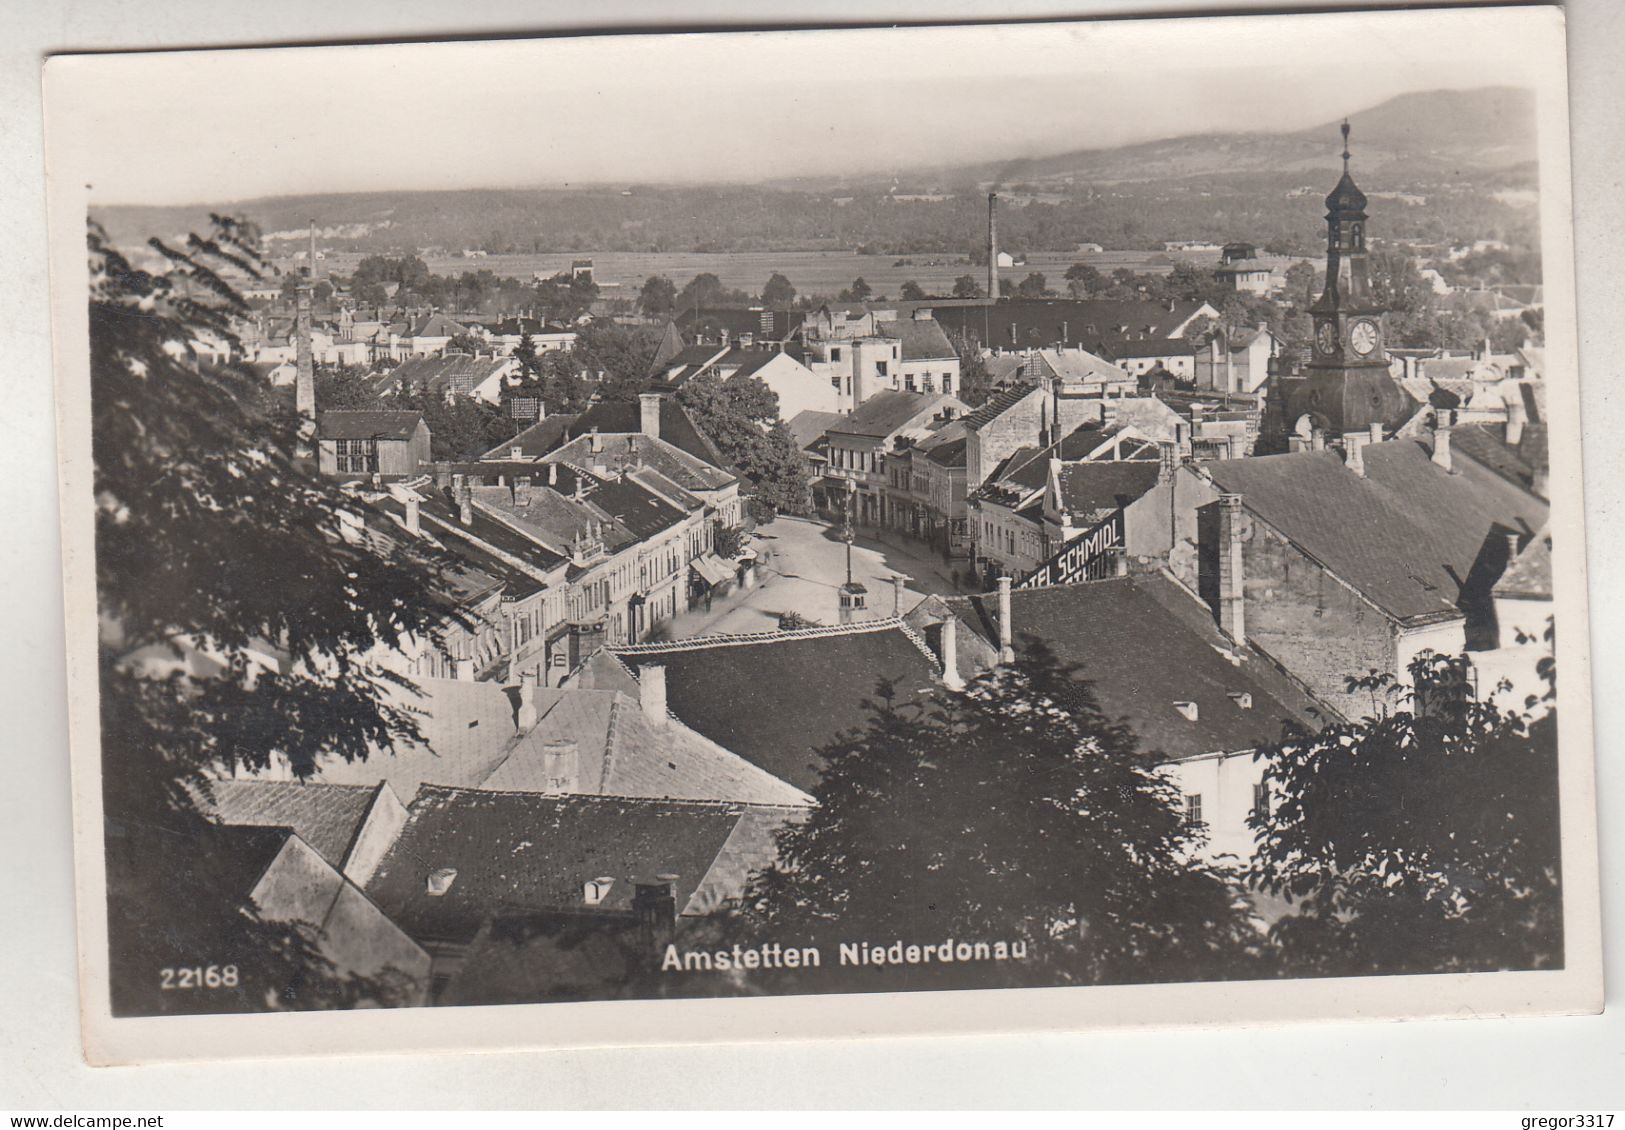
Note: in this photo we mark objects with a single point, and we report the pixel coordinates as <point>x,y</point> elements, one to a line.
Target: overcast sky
<point>217,127</point>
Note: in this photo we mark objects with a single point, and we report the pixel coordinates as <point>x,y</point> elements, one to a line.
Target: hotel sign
<point>1083,558</point>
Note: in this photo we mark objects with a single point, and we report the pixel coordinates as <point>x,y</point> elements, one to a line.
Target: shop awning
<point>712,570</point>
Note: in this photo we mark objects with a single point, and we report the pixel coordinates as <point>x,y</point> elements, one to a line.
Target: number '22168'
<point>199,977</point>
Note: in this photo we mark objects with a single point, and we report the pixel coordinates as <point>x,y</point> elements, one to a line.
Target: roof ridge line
<point>666,646</point>
<point>593,798</point>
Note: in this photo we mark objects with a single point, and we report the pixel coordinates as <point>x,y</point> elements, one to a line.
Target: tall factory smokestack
<point>993,245</point>
<point>304,389</point>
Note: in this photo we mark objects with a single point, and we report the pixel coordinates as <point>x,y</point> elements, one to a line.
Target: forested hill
<point>1439,166</point>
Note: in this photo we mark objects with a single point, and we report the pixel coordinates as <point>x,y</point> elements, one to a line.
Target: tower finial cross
<point>1345,145</point>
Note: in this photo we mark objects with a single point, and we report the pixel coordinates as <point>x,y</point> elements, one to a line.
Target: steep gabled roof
<point>1528,576</point>
<point>535,441</point>
<point>677,427</point>
<point>1411,537</point>
<point>775,699</point>
<point>807,427</point>
<point>1091,486</point>
<point>367,425</point>
<point>517,853</point>
<point>886,411</point>
<point>1105,630</point>
<point>922,339</point>
<point>327,817</point>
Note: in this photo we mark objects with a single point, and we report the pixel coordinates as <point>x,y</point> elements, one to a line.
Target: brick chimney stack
<point>652,694</point>
<point>1441,440</point>
<point>527,716</point>
<point>993,245</point>
<point>649,414</point>
<point>1232,576</point>
<point>950,655</point>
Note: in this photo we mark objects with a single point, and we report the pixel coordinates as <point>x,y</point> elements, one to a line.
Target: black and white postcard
<point>665,538</point>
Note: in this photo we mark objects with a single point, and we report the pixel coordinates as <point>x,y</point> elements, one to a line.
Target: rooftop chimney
<point>1441,440</point>
<point>993,245</point>
<point>898,581</point>
<point>526,718</point>
<point>596,442</point>
<point>649,414</point>
<point>1353,453</point>
<point>561,766</point>
<point>465,505</point>
<point>1232,575</point>
<point>1169,455</point>
<point>413,522</point>
<point>950,655</point>
<point>652,693</point>
<point>1189,710</point>
<point>1007,652</point>
<point>1317,440</point>
<point>1376,431</point>
<point>516,453</point>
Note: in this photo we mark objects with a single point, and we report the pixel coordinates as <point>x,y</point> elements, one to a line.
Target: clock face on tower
<point>1326,337</point>
<point>1363,336</point>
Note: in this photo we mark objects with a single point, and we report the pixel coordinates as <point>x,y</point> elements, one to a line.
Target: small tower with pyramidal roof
<point>1347,385</point>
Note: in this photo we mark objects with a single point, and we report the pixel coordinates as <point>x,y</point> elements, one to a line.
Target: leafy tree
<point>795,621</point>
<point>1013,809</point>
<point>1033,286</point>
<point>461,429</point>
<point>1083,280</point>
<point>966,286</point>
<point>530,363</point>
<point>911,292</point>
<point>464,343</point>
<point>623,354</point>
<point>1421,839</point>
<point>343,387</point>
<point>859,291</point>
<point>778,294</point>
<point>1301,282</point>
<point>728,542</point>
<point>215,540</point>
<point>658,298</point>
<point>741,417</point>
<point>706,290</point>
<point>975,382</point>
<point>566,297</point>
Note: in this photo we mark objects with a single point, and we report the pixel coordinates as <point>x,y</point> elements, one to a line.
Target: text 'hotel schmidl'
<point>773,955</point>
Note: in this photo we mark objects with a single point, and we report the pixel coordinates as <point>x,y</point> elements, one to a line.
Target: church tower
<point>1348,386</point>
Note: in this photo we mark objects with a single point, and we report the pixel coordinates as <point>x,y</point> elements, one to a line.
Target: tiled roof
<point>1097,485</point>
<point>367,425</point>
<point>809,426</point>
<point>949,453</point>
<point>1486,443</point>
<point>677,427</point>
<point>466,727</point>
<point>454,372</point>
<point>535,441</point>
<point>922,339</point>
<point>621,754</point>
<point>886,411</point>
<point>516,853</point>
<point>1119,350</point>
<point>996,405</point>
<point>1106,630</point>
<point>1411,537</point>
<point>777,698</point>
<point>326,817</point>
<point>620,451</point>
<point>1529,575</point>
<point>1043,322</point>
<point>1079,366</point>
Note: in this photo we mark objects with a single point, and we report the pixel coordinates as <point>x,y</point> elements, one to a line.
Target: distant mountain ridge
<point>1410,136</point>
<point>1445,144</point>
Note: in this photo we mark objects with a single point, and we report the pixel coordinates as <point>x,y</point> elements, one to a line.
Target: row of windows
<point>357,456</point>
<point>1193,804</point>
<point>850,460</point>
